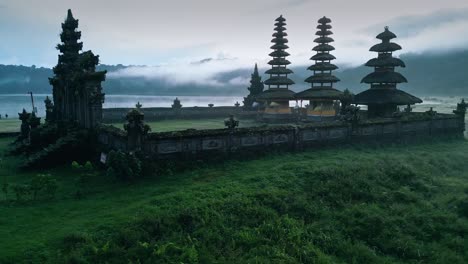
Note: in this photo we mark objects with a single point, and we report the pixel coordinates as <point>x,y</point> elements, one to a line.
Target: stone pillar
<point>461,113</point>
<point>136,130</point>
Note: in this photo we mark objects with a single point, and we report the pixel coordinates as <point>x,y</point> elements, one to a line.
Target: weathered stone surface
<point>210,143</point>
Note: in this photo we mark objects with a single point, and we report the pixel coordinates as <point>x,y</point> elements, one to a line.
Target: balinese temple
<point>383,97</point>
<point>278,95</point>
<point>321,95</point>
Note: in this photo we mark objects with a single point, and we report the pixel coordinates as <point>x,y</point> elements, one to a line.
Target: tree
<point>256,88</point>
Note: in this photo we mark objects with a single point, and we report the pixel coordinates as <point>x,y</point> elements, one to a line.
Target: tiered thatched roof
<point>322,79</point>
<point>384,79</point>
<point>278,83</point>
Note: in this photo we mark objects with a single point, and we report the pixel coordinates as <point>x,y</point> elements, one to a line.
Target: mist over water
<point>12,104</point>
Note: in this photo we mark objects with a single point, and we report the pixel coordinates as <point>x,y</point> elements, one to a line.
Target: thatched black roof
<point>279,40</point>
<point>384,77</point>
<point>323,33</point>
<point>324,26</point>
<point>279,34</point>
<point>276,94</point>
<point>323,66</point>
<point>279,28</point>
<point>322,78</point>
<point>323,47</point>
<point>385,62</point>
<point>279,61</point>
<point>280,18</point>
<point>324,20</point>
<point>385,47</point>
<point>385,96</point>
<point>323,57</point>
<point>279,46</point>
<point>279,70</point>
<point>325,92</point>
<point>279,80</point>
<point>279,53</point>
<point>386,35</point>
<point>323,40</point>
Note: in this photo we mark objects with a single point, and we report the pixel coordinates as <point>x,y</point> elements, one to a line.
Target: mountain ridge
<point>428,74</point>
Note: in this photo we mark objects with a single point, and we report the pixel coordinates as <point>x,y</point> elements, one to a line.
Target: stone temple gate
<point>77,89</point>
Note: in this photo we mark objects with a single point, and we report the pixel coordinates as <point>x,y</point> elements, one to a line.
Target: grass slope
<point>400,204</point>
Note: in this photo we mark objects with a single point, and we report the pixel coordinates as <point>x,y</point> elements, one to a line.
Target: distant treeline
<point>428,74</point>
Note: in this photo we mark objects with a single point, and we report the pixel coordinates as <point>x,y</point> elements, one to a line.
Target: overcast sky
<point>157,32</point>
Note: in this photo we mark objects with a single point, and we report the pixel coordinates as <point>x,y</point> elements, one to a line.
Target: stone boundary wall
<point>160,113</point>
<point>191,144</point>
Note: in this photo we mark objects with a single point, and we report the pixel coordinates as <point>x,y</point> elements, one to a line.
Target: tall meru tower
<point>278,95</point>
<point>383,97</point>
<point>321,95</point>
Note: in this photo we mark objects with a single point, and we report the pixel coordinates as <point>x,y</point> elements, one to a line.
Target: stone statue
<point>231,122</point>
<point>25,128</point>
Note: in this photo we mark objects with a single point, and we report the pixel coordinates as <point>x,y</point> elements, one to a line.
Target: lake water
<point>12,104</point>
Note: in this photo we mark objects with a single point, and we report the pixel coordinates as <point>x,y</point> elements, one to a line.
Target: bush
<point>86,173</point>
<point>123,166</point>
<point>43,184</point>
<point>21,190</point>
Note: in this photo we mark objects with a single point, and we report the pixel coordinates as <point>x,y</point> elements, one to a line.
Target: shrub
<point>123,166</point>
<point>86,172</point>
<point>21,190</point>
<point>43,184</point>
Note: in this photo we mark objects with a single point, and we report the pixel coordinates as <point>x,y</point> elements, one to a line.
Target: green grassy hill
<point>394,204</point>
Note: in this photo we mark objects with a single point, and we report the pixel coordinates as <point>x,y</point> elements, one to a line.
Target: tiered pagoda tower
<point>383,97</point>
<point>322,95</point>
<point>278,95</point>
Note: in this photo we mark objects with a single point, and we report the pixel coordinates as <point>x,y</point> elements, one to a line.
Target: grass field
<point>393,204</point>
<point>10,125</point>
<point>181,124</point>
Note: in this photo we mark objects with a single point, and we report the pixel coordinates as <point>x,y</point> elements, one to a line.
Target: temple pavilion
<point>278,95</point>
<point>322,96</point>
<point>383,97</point>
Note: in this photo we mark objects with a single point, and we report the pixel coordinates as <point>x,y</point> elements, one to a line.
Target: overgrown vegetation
<point>123,166</point>
<point>50,145</point>
<point>400,204</point>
